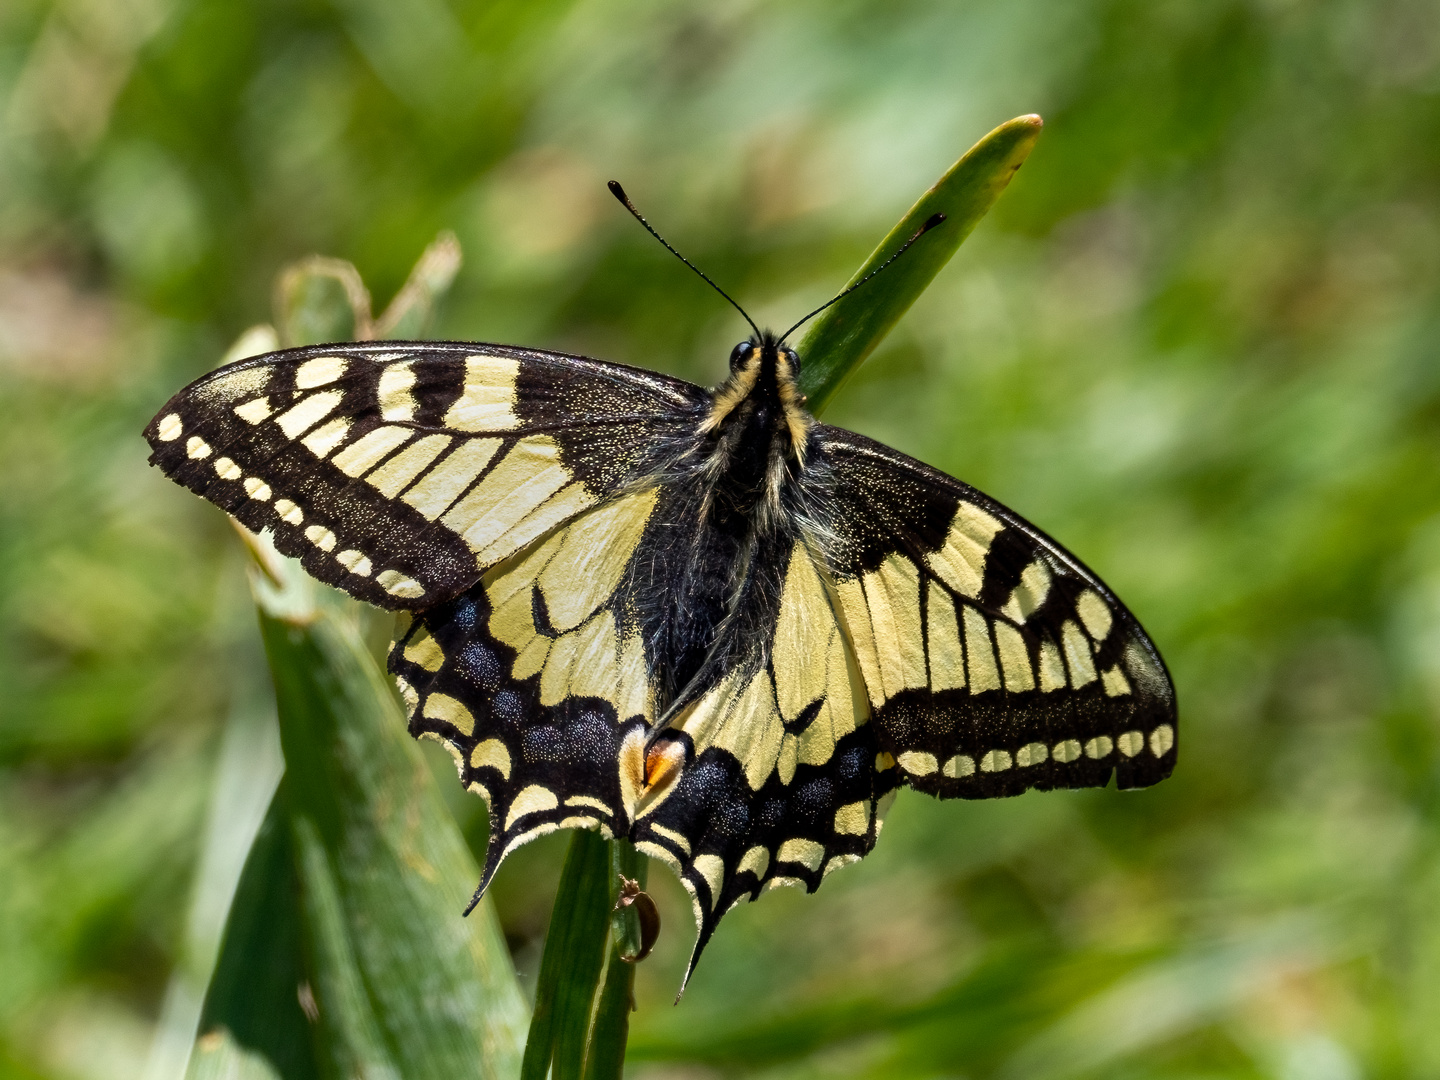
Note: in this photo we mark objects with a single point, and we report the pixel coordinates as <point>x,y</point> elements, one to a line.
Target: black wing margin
<point>994,660</point>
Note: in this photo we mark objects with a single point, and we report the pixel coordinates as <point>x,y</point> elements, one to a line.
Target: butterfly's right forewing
<point>401,471</point>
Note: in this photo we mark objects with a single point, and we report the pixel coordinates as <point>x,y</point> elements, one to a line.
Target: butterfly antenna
<point>619,193</point>
<point>930,223</point>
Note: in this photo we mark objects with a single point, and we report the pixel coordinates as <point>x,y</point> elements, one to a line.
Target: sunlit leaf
<point>843,335</point>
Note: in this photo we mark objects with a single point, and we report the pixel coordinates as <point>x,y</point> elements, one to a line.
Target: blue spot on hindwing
<point>481,666</point>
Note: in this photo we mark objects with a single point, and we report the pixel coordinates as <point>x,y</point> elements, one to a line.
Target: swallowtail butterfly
<point>695,618</point>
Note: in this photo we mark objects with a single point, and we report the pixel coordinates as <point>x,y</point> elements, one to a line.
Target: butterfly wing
<point>993,660</point>
<point>536,680</point>
<point>778,785</point>
<point>399,471</point>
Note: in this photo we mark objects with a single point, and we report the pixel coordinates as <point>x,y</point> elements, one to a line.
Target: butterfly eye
<point>739,354</point>
<point>794,360</point>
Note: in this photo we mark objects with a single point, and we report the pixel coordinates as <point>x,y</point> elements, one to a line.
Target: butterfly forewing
<point>400,471</point>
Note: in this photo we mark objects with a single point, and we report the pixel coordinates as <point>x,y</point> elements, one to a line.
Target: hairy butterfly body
<point>695,618</point>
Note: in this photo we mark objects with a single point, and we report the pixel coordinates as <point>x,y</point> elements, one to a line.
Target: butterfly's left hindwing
<point>399,471</point>
<point>779,785</point>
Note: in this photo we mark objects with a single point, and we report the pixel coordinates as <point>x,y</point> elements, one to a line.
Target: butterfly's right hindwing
<point>537,682</point>
<point>400,471</point>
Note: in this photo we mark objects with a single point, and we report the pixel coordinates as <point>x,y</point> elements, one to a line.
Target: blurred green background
<point>1198,340</point>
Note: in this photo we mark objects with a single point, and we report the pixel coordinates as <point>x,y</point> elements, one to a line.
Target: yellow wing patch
<point>811,670</point>
<point>963,647</point>
<point>960,562</point>
<point>487,402</point>
<point>585,651</point>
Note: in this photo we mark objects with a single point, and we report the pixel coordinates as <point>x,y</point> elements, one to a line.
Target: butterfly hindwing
<point>994,660</point>
<point>398,471</point>
<point>536,680</point>
<point>779,784</point>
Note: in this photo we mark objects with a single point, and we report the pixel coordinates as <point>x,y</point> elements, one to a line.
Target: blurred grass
<point>1197,340</point>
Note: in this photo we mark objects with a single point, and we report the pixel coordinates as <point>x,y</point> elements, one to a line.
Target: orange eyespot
<point>663,764</point>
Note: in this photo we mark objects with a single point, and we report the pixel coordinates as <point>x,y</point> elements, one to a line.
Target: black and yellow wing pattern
<point>994,660</point>
<point>396,471</point>
<point>692,618</point>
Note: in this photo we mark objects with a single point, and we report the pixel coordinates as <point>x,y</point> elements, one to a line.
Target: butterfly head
<point>763,381</point>
<point>758,348</point>
<point>763,386</point>
<point>763,364</point>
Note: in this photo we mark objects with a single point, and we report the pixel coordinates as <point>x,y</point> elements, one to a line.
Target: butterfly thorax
<point>732,522</point>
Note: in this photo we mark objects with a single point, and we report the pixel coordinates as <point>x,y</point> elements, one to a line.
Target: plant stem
<point>571,964</point>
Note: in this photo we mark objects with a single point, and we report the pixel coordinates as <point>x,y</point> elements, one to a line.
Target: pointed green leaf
<point>843,335</point>
<point>399,977</point>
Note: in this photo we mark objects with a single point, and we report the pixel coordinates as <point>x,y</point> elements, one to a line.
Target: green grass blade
<point>368,819</point>
<point>355,1039</point>
<point>628,863</point>
<point>571,964</point>
<point>246,774</point>
<point>605,1059</point>
<point>842,336</point>
<point>253,1003</point>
